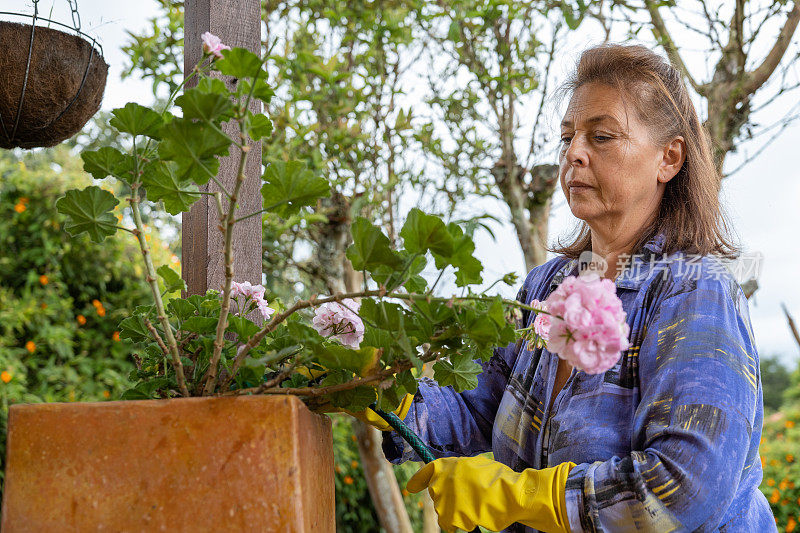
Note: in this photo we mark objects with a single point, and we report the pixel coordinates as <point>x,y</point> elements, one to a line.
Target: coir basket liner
<point>51,84</point>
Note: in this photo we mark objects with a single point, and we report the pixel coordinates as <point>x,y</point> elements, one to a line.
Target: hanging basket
<point>51,84</point>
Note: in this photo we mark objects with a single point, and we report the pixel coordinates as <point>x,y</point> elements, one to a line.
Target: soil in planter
<point>61,93</point>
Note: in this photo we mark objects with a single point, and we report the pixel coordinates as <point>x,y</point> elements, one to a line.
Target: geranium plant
<point>351,350</point>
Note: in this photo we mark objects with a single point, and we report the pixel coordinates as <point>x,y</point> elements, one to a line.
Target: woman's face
<point>612,175</point>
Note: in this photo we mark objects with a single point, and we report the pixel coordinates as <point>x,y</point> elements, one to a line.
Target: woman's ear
<point>672,160</point>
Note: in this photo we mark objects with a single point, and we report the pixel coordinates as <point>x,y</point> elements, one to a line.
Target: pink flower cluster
<point>587,325</point>
<point>256,292</point>
<point>213,44</point>
<point>343,324</point>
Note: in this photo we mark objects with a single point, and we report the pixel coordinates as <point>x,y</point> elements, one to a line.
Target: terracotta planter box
<point>252,463</point>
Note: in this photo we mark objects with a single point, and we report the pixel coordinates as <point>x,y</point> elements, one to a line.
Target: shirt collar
<point>630,278</point>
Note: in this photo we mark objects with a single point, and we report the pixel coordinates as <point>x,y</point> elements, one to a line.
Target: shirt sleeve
<point>459,424</point>
<point>700,389</point>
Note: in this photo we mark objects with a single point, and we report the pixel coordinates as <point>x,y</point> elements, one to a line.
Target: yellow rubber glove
<point>368,416</point>
<point>478,491</point>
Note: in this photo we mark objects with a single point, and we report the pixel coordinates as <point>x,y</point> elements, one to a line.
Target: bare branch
<point>792,325</point>
<point>663,37</point>
<point>761,74</point>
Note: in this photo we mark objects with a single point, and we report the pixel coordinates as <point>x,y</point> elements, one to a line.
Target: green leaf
<point>242,326</point>
<point>468,267</point>
<point>422,232</point>
<point>462,374</point>
<point>180,308</point>
<point>289,186</point>
<point>134,328</point>
<point>262,90</point>
<point>172,280</point>
<point>239,63</point>
<point>137,120</point>
<point>194,148</point>
<point>370,248</point>
<point>200,324</point>
<point>258,126</point>
<point>208,106</point>
<point>107,161</point>
<point>212,85</point>
<point>355,399</point>
<point>161,181</point>
<point>89,210</point>
<point>362,361</point>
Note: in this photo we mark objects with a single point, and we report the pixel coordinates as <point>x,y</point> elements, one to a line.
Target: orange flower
<point>30,346</point>
<point>790,424</point>
<point>106,394</point>
<point>115,336</point>
<point>5,376</point>
<point>353,438</point>
<point>420,504</point>
<point>353,464</point>
<point>338,470</point>
<point>348,480</point>
<point>43,280</point>
<point>775,496</point>
<point>81,320</point>
<point>23,200</point>
<point>96,303</point>
<point>771,482</point>
<point>791,524</point>
<point>783,484</point>
<point>405,492</point>
<point>20,208</point>
<point>763,462</point>
<point>101,311</point>
<point>789,458</point>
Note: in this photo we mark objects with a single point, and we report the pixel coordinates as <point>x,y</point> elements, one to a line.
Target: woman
<point>666,440</point>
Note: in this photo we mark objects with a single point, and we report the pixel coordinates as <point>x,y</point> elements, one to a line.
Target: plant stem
<point>314,301</point>
<point>377,377</point>
<point>152,280</point>
<point>222,324</point>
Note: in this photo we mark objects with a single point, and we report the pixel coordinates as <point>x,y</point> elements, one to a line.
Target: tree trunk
<point>332,240</point>
<point>529,204</point>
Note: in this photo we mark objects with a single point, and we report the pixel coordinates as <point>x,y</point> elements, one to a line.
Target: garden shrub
<point>780,458</point>
<point>61,298</point>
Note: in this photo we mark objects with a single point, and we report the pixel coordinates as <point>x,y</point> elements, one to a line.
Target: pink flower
<point>247,290</point>
<point>212,44</point>
<point>587,326</point>
<point>266,311</point>
<point>256,292</point>
<point>541,324</point>
<point>332,319</point>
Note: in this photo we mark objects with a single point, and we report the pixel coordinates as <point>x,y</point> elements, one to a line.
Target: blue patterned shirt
<point>666,440</point>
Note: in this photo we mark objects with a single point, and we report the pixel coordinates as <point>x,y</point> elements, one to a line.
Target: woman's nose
<point>576,153</point>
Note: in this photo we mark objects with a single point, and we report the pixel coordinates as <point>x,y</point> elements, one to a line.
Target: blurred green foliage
<point>775,381</point>
<point>780,458</point>
<point>61,297</point>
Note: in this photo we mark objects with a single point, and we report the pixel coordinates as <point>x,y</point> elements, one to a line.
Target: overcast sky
<point>763,199</point>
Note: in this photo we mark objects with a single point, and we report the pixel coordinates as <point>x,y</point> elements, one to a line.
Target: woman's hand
<point>478,491</point>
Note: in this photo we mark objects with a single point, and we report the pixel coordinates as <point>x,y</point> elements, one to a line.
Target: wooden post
<point>237,23</point>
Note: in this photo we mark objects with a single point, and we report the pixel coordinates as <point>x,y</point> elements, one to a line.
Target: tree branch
<point>761,74</point>
<point>663,37</point>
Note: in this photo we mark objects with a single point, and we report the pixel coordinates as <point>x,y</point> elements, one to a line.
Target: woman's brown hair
<point>690,215</point>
